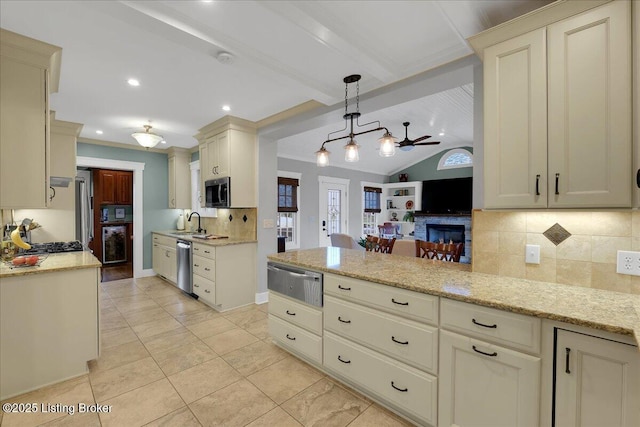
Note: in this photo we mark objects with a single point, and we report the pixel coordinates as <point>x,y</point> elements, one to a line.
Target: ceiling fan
<point>407,144</point>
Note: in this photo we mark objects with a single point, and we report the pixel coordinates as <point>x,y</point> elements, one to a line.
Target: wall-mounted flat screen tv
<point>447,196</point>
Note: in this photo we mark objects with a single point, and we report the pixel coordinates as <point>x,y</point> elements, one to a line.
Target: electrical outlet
<point>628,263</point>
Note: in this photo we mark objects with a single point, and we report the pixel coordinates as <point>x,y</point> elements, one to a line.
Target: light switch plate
<point>268,223</point>
<point>628,263</point>
<point>532,254</point>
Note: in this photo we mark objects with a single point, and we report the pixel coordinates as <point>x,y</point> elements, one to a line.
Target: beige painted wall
<point>587,258</point>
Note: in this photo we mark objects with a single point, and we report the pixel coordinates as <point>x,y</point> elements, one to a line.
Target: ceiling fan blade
<point>427,143</point>
<point>422,138</point>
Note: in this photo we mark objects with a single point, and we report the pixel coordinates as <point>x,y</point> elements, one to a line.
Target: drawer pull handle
<point>207,252</point>
<point>196,286</point>
<point>343,361</point>
<point>404,390</point>
<point>196,265</point>
<point>399,303</point>
<point>291,338</point>
<point>290,313</point>
<point>566,366</point>
<point>343,321</point>
<point>494,354</point>
<point>207,269</point>
<point>475,322</point>
<point>207,291</point>
<point>343,289</point>
<point>399,342</point>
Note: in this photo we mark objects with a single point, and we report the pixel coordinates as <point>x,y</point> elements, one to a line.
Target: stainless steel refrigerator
<point>84,212</point>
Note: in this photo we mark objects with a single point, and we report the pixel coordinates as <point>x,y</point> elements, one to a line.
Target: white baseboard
<point>262,297</point>
<point>148,272</point>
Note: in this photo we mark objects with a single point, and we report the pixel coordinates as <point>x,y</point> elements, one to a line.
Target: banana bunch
<point>15,238</point>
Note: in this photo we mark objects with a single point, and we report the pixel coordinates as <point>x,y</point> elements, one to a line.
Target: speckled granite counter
<point>54,262</point>
<point>211,242</point>
<point>594,308</point>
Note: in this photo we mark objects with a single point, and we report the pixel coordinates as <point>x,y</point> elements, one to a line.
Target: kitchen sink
<point>186,233</point>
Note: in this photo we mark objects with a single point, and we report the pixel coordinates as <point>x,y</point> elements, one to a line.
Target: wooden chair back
<point>379,244</point>
<point>440,251</point>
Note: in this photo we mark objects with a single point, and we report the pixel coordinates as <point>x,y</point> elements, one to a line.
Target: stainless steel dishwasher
<point>298,283</point>
<point>184,256</point>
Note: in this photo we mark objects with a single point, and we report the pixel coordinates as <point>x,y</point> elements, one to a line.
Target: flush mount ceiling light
<point>147,138</point>
<point>226,108</point>
<point>133,82</point>
<point>387,141</point>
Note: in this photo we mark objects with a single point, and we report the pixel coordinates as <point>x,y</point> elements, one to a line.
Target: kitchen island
<point>440,345</point>
<point>49,325</point>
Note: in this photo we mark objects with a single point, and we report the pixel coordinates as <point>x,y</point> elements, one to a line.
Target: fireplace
<point>445,233</point>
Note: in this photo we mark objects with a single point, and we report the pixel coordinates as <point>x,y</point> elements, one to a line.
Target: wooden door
<point>515,123</point>
<point>590,108</point>
<point>483,384</point>
<point>597,382</point>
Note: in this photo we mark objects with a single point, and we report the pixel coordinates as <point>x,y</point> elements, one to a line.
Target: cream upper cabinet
<point>29,71</point>
<point>228,149</point>
<point>179,179</point>
<point>597,381</point>
<point>557,112</point>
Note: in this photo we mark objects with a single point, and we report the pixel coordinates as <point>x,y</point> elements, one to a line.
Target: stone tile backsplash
<point>587,258</point>
<point>235,228</point>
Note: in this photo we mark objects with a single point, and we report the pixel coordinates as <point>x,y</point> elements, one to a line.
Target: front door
<point>334,208</point>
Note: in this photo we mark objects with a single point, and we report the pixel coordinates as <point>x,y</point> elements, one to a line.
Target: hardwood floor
<point>117,272</point>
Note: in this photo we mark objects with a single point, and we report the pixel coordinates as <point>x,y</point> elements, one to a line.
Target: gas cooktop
<point>54,247</point>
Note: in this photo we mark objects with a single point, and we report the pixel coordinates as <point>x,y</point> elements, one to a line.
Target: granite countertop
<point>53,263</point>
<point>210,242</point>
<point>605,310</point>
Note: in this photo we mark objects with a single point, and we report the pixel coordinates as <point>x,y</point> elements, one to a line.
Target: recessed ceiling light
<point>133,82</point>
<point>226,108</point>
<point>441,134</point>
<point>99,132</point>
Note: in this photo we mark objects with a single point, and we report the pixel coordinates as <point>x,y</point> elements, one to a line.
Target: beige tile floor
<point>169,360</point>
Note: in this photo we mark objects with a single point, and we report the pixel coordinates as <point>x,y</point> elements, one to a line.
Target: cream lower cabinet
<point>165,262</point>
<point>296,326</point>
<point>597,381</point>
<point>482,382</point>
<point>377,338</point>
<point>204,272</point>
<point>557,111</point>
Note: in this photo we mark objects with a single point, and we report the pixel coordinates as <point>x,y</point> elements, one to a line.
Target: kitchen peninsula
<point>453,347</point>
<point>49,326</point>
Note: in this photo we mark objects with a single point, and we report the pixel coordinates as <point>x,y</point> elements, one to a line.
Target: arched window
<point>458,158</point>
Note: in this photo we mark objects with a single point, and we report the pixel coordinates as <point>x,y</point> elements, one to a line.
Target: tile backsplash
<point>236,227</point>
<point>586,258</point>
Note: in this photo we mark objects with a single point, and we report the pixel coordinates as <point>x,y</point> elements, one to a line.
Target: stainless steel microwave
<point>218,193</point>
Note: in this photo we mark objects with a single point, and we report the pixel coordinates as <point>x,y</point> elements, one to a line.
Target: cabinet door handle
<point>343,289</point>
<point>207,291</point>
<point>343,361</point>
<point>475,322</point>
<point>196,265</point>
<point>537,185</point>
<point>638,178</point>
<point>399,342</point>
<point>566,363</point>
<point>404,390</point>
<point>494,354</point>
<point>291,338</point>
<point>196,286</point>
<point>290,313</point>
<point>399,303</point>
<point>343,321</point>
<point>557,181</point>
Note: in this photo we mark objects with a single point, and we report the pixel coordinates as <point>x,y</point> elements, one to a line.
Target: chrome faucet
<point>199,230</point>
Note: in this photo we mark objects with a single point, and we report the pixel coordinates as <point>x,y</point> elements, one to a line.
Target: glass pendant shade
<point>387,145</point>
<point>322,157</point>
<point>147,138</point>
<point>351,151</point>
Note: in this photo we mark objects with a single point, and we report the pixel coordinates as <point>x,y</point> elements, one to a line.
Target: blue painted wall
<point>427,169</point>
<point>156,214</point>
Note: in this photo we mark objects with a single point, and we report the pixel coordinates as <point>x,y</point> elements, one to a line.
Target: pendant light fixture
<point>147,138</point>
<point>387,141</point>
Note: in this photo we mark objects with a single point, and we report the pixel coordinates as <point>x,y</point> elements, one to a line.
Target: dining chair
<point>341,240</point>
<point>440,251</point>
<point>379,244</point>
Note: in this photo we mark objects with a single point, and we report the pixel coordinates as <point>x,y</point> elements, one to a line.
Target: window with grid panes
<point>371,209</point>
<point>287,208</point>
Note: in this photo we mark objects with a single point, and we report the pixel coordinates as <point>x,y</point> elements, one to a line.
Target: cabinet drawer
<point>205,289</point>
<point>406,340</point>
<point>402,386</point>
<point>296,313</point>
<point>206,251</point>
<point>296,339</point>
<point>204,267</point>
<point>419,306</point>
<point>497,326</point>
<point>164,240</point>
